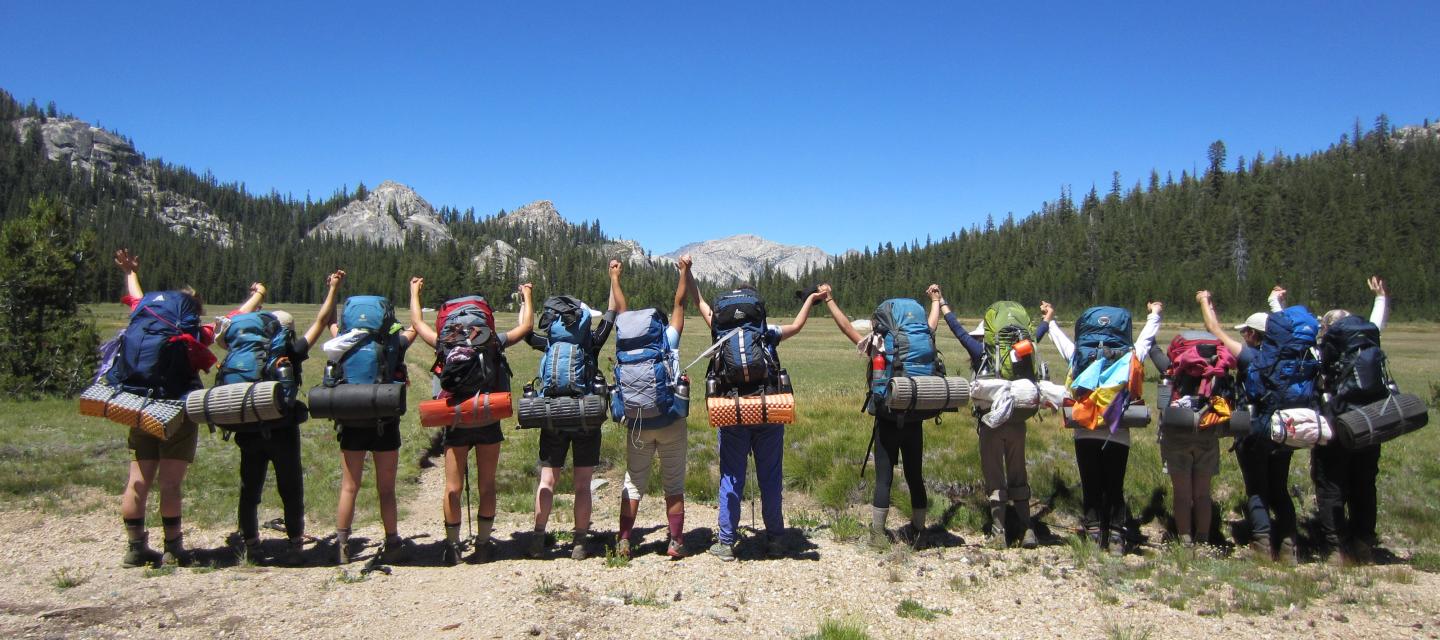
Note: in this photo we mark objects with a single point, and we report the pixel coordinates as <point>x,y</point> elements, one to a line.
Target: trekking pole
<point>469,517</point>
<point>866,460</point>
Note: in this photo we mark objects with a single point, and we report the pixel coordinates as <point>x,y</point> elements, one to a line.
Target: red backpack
<point>467,348</point>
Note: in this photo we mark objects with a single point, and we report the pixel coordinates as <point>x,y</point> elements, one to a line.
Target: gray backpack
<point>644,375</point>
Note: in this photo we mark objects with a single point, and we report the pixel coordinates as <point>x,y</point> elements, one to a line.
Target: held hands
<point>615,268</point>
<point>1156,307</point>
<point>258,288</point>
<point>416,284</point>
<point>1203,297</point>
<point>1047,312</point>
<point>524,289</point>
<point>934,292</point>
<point>684,263</point>
<point>824,292</point>
<point>333,280</point>
<point>1377,285</point>
<point>127,262</point>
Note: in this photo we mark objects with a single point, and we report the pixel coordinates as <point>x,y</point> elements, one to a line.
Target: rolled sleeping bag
<point>358,401</point>
<point>1135,416</point>
<point>1380,421</point>
<point>1239,424</point>
<point>156,418</point>
<point>238,403</point>
<point>583,412</point>
<point>478,411</point>
<point>926,393</point>
<point>765,408</point>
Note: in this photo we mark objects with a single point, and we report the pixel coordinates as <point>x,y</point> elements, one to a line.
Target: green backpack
<point>1007,323</point>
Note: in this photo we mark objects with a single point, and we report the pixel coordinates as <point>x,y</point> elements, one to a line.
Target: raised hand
<point>1156,307</point>
<point>615,268</point>
<point>824,291</point>
<point>1047,311</point>
<point>1377,285</point>
<point>685,262</point>
<point>333,280</point>
<point>416,284</point>
<point>258,287</point>
<point>1203,297</point>
<point>127,262</point>
<point>934,292</point>
<point>524,289</point>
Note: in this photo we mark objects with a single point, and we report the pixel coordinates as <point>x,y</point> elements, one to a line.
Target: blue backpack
<point>378,358</point>
<point>1283,375</point>
<point>746,361</point>
<point>1101,333</point>
<point>257,342</point>
<point>147,362</point>
<point>909,348</point>
<point>567,367</point>
<point>644,371</point>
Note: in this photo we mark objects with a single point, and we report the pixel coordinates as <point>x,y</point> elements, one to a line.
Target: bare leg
<point>137,488</point>
<point>487,460</point>
<point>387,465</point>
<point>582,497</point>
<point>455,470</point>
<point>544,497</point>
<point>350,473</point>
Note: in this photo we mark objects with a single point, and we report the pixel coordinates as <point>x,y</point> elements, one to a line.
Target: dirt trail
<point>1011,594</point>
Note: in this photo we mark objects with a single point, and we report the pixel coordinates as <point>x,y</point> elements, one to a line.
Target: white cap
<point>285,318</point>
<point>979,330</point>
<point>1256,321</point>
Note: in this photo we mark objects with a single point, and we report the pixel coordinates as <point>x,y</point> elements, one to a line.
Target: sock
<point>877,517</point>
<point>173,531</point>
<point>581,535</point>
<point>452,532</point>
<point>677,525</point>
<point>486,524</point>
<point>392,538</point>
<point>917,517</point>
<point>135,530</point>
<point>626,523</point>
<point>342,537</point>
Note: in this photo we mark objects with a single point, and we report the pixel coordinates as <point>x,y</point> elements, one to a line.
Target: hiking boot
<point>1117,543</point>
<point>484,551</point>
<point>249,551</point>
<point>1289,552</point>
<point>725,552</point>
<point>1029,541</point>
<point>912,535</point>
<point>879,538</point>
<point>676,549</point>
<point>175,553</point>
<point>1362,552</point>
<point>622,548</point>
<point>578,551</point>
<point>138,554</point>
<point>996,539</point>
<point>1259,549</point>
<point>295,554</point>
<point>450,554</point>
<point>342,552</point>
<point>394,550</point>
<point>536,550</point>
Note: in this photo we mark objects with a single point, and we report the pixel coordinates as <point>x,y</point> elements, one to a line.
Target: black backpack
<point>1354,371</point>
<point>746,361</point>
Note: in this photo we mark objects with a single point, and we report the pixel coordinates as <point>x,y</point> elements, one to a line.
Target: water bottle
<point>529,390</point>
<point>284,371</point>
<point>712,387</point>
<point>682,388</point>
<point>878,375</point>
<point>784,380</point>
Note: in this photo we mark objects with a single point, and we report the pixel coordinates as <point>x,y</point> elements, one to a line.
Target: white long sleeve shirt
<point>1142,351</point>
<point>1379,311</point>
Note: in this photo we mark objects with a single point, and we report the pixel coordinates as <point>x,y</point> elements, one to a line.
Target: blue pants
<point>736,444</point>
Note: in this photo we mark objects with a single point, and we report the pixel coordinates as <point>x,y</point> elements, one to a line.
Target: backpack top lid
<point>565,319</point>
<point>471,305</point>
<point>1291,331</point>
<point>741,307</point>
<point>898,314</point>
<point>639,330</point>
<point>172,311</point>
<point>1100,332</point>
<point>1348,334</point>
<point>1002,314</point>
<point>370,313</point>
<point>246,327</point>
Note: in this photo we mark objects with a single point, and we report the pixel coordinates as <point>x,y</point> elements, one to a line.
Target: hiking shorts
<point>472,436</point>
<point>180,446</point>
<point>1190,453</point>
<point>641,445</point>
<point>554,443</point>
<point>370,438</point>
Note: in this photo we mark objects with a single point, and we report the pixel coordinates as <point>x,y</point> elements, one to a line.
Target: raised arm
<point>1380,312</point>
<point>677,311</point>
<point>799,323</point>
<point>130,266</point>
<point>527,317</point>
<point>257,296</point>
<point>974,347</point>
<point>1276,299</point>
<point>327,308</point>
<point>1056,334</point>
<point>934,318</point>
<point>841,320</point>
<point>421,328</point>
<point>700,303</point>
<point>617,295</point>
<point>1212,323</point>
<point>1151,329</point>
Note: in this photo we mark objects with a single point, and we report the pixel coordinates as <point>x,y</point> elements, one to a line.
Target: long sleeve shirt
<point>1379,311</point>
<point>1141,351</point>
<point>975,346</point>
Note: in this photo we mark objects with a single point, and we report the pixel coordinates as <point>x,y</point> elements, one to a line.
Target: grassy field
<point>52,454</point>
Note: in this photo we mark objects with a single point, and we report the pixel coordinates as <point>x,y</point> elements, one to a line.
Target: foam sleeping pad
<point>1380,421</point>
<point>358,401</point>
<point>157,418</point>
<point>765,408</point>
<point>926,393</point>
<point>1136,416</point>
<point>478,411</point>
<point>235,404</point>
<point>583,412</point>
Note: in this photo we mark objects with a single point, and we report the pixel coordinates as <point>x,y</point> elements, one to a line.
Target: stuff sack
<point>645,371</point>
<point>1299,428</point>
<point>1009,343</point>
<point>566,368</point>
<point>151,357</point>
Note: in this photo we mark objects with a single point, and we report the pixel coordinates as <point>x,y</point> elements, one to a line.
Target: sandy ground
<point>1010,594</point>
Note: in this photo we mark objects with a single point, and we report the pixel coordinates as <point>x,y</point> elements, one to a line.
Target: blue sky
<point>836,124</point>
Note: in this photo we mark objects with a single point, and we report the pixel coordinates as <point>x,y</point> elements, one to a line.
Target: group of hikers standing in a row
<point>1257,389</point>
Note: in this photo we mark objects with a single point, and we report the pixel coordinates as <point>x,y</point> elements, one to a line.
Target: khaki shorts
<point>180,446</point>
<point>641,445</point>
<point>1190,453</point>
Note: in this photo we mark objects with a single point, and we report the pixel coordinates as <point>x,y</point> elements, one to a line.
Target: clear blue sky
<point>836,124</point>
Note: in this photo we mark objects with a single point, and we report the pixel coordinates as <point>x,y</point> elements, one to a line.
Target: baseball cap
<point>285,318</point>
<point>1256,321</point>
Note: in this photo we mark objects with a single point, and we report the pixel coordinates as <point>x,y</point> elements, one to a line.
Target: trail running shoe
<point>725,552</point>
<point>622,548</point>
<point>676,549</point>
<point>450,554</point>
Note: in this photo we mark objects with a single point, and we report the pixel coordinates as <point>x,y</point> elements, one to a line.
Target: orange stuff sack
<point>481,410</point>
<point>772,408</point>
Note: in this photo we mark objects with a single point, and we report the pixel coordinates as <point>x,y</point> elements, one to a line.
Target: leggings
<point>1102,483</point>
<point>894,442</point>
<point>257,452</point>
<point>1345,478</point>
<point>1265,466</point>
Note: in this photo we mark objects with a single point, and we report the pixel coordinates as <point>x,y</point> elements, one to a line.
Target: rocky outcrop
<point>539,215</point>
<point>387,215</point>
<point>501,257</point>
<point>92,149</point>
<point>628,251</point>
<point>741,257</point>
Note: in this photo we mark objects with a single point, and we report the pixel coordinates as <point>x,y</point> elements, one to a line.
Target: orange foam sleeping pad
<point>483,409</point>
<point>775,408</point>
<point>158,418</point>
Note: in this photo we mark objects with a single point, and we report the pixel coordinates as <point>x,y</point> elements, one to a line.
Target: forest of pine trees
<point>1316,223</point>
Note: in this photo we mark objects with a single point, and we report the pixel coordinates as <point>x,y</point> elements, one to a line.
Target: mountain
<point>743,257</point>
<point>386,216</point>
<point>539,215</point>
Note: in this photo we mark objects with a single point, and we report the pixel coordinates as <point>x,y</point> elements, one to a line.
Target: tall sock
<point>627,522</point>
<point>677,525</point>
<point>877,518</point>
<point>486,524</point>
<point>452,532</point>
<point>342,537</point>
<point>173,530</point>
<point>917,517</point>
<point>581,534</point>
<point>135,530</point>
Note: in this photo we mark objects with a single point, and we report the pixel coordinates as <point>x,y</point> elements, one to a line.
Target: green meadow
<point>56,460</point>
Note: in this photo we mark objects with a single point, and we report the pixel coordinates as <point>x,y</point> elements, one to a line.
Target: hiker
<point>767,441</point>
<point>175,366</point>
<point>570,317</point>
<point>485,440</point>
<point>377,357</point>
<point>1344,477</point>
<point>278,445</point>
<point>1264,464</point>
<point>992,351</point>
<point>664,436</point>
<point>896,436</point>
<point>1106,369</point>
<point>1199,370</point>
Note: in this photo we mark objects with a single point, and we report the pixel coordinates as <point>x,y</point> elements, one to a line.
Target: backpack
<point>746,360</point>
<point>257,347</point>
<point>1100,333</point>
<point>568,365</point>
<point>378,357</point>
<point>151,358</point>
<point>909,350</point>
<point>467,349</point>
<point>1007,323</point>
<point>1200,365</point>
<point>1355,372</point>
<point>1283,374</point>
<point>645,374</point>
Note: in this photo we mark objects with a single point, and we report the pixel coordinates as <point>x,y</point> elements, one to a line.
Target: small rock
<point>452,627</point>
<point>535,630</point>
<point>677,596</point>
<point>1340,617</point>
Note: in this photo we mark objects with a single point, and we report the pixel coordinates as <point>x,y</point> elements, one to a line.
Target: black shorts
<point>555,442</point>
<point>368,437</point>
<point>472,436</point>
